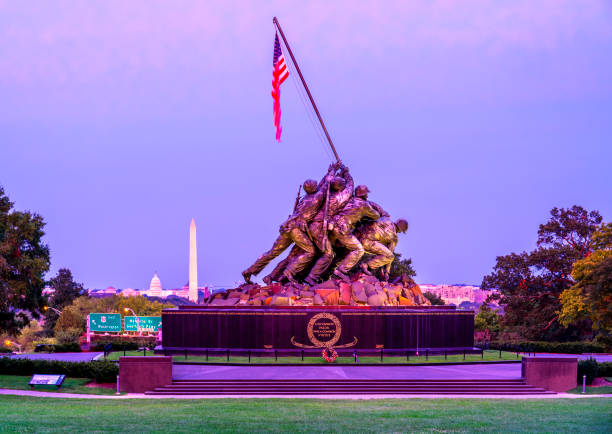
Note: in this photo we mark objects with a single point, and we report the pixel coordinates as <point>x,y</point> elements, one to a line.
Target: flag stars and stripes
<point>280,72</point>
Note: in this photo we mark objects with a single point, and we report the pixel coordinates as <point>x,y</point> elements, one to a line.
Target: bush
<point>67,336</point>
<point>604,339</point>
<point>5,350</point>
<point>550,347</point>
<point>101,371</point>
<point>604,369</point>
<point>589,368</point>
<point>72,347</point>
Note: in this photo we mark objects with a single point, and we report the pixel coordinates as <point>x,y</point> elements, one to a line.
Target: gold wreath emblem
<point>313,338</point>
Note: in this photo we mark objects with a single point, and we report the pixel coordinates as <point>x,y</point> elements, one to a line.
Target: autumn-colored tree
<point>591,296</point>
<point>529,284</point>
<point>70,318</point>
<point>76,313</point>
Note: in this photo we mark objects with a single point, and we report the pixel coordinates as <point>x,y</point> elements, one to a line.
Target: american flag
<point>279,75</point>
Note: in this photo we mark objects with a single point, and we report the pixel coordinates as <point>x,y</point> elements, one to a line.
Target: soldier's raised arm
<point>343,196</point>
<point>370,212</point>
<point>330,172</point>
<point>379,208</point>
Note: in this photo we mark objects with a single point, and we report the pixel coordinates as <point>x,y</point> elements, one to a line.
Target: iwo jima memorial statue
<point>333,289</point>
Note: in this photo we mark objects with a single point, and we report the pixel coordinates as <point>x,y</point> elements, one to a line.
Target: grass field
<point>455,358</point>
<point>71,385</point>
<point>26,414</point>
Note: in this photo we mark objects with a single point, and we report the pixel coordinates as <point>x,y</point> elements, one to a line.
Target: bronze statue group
<point>331,228</point>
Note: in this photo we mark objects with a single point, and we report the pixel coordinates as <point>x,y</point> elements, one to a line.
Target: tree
<point>66,290</point>
<point>434,299</point>
<point>70,318</point>
<point>29,335</point>
<point>401,266</point>
<point>24,259</point>
<point>486,319</point>
<point>69,326</point>
<point>85,305</point>
<point>591,296</point>
<point>530,284</point>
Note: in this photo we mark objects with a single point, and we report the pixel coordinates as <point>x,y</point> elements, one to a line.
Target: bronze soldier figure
<point>343,225</point>
<point>294,230</point>
<point>379,238</point>
<point>276,275</point>
<point>341,192</point>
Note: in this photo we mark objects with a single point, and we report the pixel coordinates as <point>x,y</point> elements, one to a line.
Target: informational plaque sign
<point>46,380</point>
<point>105,322</point>
<point>142,323</point>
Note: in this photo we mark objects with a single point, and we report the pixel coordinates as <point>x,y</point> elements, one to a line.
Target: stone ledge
<point>551,373</point>
<point>137,374</point>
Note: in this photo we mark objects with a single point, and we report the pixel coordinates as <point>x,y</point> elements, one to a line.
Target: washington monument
<point>193,263</point>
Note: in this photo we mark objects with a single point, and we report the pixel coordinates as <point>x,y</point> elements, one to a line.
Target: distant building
<point>111,290</point>
<point>183,292</point>
<point>130,292</point>
<point>457,294</point>
<point>205,290</point>
<point>155,288</point>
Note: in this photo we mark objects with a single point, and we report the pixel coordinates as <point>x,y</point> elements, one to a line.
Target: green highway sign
<point>105,322</point>
<point>142,323</point>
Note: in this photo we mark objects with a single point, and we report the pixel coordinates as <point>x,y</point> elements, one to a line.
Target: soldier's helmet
<point>362,191</point>
<point>402,225</point>
<point>337,183</point>
<point>310,186</point>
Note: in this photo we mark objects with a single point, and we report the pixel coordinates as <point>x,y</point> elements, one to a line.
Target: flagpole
<point>331,144</point>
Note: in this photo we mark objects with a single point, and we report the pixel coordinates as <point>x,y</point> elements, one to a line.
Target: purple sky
<point>120,121</point>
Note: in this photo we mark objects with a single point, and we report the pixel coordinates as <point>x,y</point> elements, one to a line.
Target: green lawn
<point>27,414</point>
<point>457,358</point>
<point>71,385</point>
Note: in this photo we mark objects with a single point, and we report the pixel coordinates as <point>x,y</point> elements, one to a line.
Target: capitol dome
<point>155,288</point>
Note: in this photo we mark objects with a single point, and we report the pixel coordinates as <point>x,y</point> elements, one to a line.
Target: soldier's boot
<point>287,275</point>
<point>312,282</point>
<point>364,268</point>
<point>342,276</point>
<point>268,279</point>
<point>383,275</point>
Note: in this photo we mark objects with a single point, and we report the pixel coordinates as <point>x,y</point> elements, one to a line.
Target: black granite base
<point>342,327</point>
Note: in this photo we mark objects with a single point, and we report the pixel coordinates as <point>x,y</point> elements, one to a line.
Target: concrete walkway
<point>63,357</point>
<point>496,371</point>
<point>600,358</point>
<point>143,396</point>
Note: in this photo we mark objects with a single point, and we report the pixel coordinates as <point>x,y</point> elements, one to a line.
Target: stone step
<point>294,386</point>
<point>318,381</point>
<point>343,391</point>
<point>348,387</point>
<point>355,392</point>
